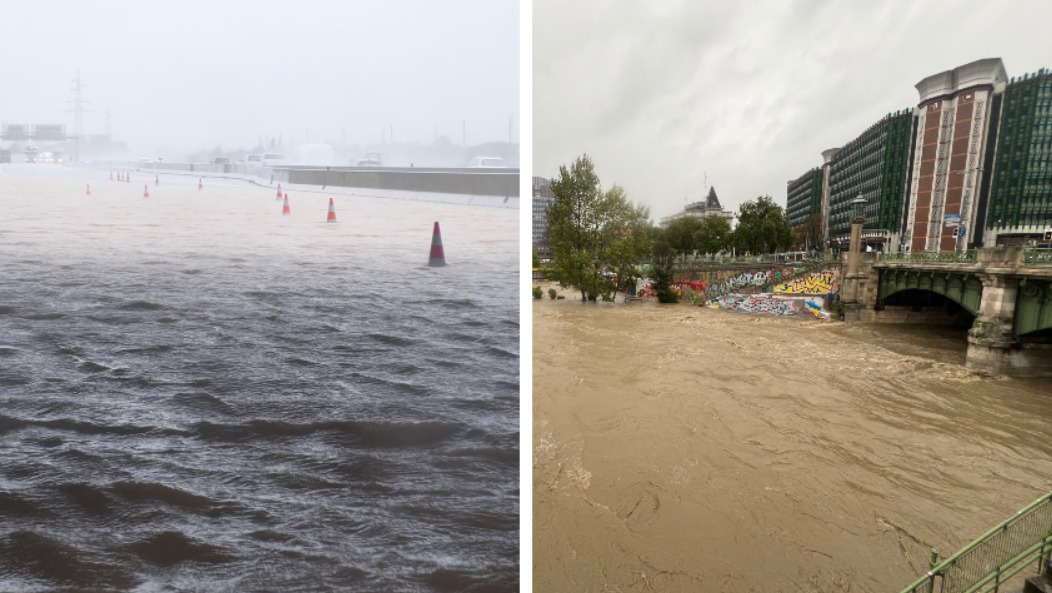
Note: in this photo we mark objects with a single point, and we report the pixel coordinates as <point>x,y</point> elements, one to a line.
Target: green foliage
<point>663,278</point>
<point>713,236</point>
<point>762,227</point>
<point>592,231</point>
<point>680,234</point>
<point>536,259</point>
<point>552,294</point>
<point>537,293</point>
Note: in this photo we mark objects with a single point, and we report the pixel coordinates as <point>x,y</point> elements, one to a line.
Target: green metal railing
<point>970,256</point>
<point>999,554</point>
<point>1036,257</point>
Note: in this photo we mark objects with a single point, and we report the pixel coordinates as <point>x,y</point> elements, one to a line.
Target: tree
<point>809,234</point>
<point>592,232</point>
<point>762,227</point>
<point>680,234</point>
<point>713,236</point>
<point>661,269</point>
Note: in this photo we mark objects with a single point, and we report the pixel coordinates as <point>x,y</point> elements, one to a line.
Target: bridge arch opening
<point>925,307</point>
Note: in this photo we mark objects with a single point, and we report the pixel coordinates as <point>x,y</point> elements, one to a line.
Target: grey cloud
<point>750,93</point>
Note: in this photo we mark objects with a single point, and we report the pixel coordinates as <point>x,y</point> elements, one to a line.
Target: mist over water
<point>198,393</point>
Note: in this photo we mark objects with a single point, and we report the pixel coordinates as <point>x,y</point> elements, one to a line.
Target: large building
<point>872,165</point>
<point>542,197</point>
<point>952,126</point>
<point>804,197</point>
<point>1020,207</point>
<point>702,210</point>
<point>970,165</point>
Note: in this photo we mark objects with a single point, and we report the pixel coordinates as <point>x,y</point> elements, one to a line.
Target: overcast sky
<point>660,92</point>
<point>197,73</point>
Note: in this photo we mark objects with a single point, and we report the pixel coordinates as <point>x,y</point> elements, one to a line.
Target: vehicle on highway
<point>371,159</point>
<point>273,158</point>
<point>487,162</point>
<point>221,160</point>
<point>254,159</point>
<point>31,154</point>
<point>5,156</point>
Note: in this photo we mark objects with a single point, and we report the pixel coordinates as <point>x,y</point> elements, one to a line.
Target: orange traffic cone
<point>285,207</point>
<point>88,192</point>
<point>279,191</point>
<point>146,190</point>
<point>200,183</point>
<point>438,256</point>
<point>332,212</point>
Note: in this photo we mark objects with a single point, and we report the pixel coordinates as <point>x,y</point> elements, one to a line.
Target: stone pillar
<point>991,340</point>
<point>850,289</point>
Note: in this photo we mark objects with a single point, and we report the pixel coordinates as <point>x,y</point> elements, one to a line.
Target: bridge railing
<point>999,554</point>
<point>970,256</point>
<point>1037,257</point>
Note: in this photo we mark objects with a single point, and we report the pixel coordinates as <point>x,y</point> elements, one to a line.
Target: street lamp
<point>858,209</point>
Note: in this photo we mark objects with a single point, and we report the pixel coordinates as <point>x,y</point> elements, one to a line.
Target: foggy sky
<point>197,73</point>
<point>658,93</point>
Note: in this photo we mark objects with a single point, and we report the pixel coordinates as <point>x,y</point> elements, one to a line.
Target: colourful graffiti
<point>823,282</point>
<point>747,281</point>
<point>772,305</point>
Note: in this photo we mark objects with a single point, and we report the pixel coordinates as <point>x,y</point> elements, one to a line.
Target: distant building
<point>804,197</point>
<point>969,166</point>
<point>542,198</point>
<point>702,210</point>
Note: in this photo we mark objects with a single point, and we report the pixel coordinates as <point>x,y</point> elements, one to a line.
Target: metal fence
<point>1037,257</point>
<point>970,256</point>
<point>1004,551</point>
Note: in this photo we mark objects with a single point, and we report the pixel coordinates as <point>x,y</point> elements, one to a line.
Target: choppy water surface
<point>686,449</point>
<point>197,393</point>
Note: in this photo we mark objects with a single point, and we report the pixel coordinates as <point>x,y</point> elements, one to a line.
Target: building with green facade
<point>873,165</point>
<point>1020,208</point>
<point>804,197</point>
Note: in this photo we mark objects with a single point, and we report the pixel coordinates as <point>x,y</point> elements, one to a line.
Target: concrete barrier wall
<point>463,182</point>
<point>500,183</point>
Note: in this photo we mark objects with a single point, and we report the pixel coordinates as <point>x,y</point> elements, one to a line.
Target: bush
<point>838,309</point>
<point>537,294</point>
<point>552,294</point>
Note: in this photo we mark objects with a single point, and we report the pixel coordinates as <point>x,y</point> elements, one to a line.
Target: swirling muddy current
<point>686,449</point>
<point>199,394</point>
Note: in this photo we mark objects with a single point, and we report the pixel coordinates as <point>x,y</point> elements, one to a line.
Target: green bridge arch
<point>1033,310</point>
<point>961,287</point>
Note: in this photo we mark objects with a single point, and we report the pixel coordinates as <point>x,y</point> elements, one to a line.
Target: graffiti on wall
<point>772,305</point>
<point>748,281</point>
<point>823,282</point>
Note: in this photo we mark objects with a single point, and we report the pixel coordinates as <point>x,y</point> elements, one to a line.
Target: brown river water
<point>686,449</point>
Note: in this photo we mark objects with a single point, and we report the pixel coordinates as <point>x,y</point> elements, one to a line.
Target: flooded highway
<point>686,449</point>
<point>200,394</point>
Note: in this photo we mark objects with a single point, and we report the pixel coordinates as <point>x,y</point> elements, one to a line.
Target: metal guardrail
<point>999,554</point>
<point>970,256</point>
<point>1037,257</point>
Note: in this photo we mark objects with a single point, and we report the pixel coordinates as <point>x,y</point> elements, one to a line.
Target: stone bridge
<point>1003,295</point>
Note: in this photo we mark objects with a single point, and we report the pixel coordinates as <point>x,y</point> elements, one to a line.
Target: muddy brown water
<point>687,449</point>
